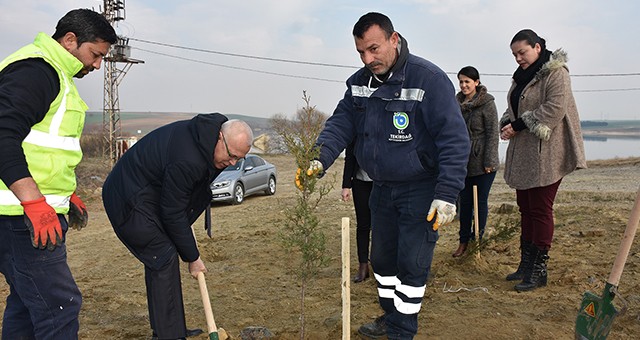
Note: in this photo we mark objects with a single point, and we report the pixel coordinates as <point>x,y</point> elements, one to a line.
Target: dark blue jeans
<point>484,183</point>
<point>44,300</point>
<point>402,245</point>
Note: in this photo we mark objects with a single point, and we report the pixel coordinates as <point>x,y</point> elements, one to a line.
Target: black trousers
<point>164,299</point>
<point>361,191</point>
<point>149,243</point>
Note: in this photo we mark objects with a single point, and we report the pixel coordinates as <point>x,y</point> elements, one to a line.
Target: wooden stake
<point>476,227</point>
<point>346,297</point>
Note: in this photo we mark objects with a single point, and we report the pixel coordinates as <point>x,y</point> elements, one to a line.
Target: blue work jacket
<point>410,128</point>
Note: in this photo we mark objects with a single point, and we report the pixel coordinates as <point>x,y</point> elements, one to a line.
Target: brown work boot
<point>461,249</point>
<point>363,273</point>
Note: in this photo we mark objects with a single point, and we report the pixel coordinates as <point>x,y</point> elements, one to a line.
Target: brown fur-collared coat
<point>551,146</point>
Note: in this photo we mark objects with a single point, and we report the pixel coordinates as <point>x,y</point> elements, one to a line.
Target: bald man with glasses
<point>156,191</point>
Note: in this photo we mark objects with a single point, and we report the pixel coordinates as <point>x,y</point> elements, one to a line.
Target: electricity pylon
<point>113,75</point>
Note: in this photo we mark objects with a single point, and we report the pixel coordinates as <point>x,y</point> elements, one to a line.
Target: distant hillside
<point>132,122</point>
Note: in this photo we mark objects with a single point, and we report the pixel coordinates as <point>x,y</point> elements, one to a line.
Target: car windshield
<point>233,167</point>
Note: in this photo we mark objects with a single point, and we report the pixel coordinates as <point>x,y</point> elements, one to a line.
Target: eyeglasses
<point>233,157</point>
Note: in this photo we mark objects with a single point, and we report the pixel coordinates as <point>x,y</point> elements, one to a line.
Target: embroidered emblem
<point>400,120</point>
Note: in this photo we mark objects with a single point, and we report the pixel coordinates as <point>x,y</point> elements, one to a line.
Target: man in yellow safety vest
<point>41,120</point>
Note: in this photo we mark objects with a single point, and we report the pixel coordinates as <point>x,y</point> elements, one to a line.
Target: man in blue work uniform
<point>412,141</point>
<point>41,119</point>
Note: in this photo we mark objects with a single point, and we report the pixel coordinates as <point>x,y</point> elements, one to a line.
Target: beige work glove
<point>444,212</point>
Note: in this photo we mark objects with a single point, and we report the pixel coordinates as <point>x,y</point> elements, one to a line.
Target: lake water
<point>600,148</point>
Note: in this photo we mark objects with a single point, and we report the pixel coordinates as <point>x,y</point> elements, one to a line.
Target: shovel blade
<point>213,336</point>
<point>596,315</point>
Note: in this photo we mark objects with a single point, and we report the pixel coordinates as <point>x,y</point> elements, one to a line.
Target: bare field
<point>250,284</point>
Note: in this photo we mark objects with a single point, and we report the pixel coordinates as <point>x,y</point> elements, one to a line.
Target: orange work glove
<point>78,216</point>
<point>43,223</point>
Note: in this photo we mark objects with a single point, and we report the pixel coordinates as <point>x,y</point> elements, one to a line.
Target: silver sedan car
<point>249,176</point>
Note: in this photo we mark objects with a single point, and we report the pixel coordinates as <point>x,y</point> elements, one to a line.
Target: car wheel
<point>238,193</point>
<point>271,187</point>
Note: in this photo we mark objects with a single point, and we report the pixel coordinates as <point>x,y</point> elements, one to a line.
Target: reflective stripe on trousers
<point>402,245</point>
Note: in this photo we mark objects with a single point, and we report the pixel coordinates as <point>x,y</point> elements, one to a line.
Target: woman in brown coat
<point>545,144</point>
<point>479,112</point>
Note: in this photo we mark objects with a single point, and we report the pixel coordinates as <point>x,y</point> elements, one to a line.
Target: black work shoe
<point>194,332</point>
<point>375,329</point>
<point>190,333</point>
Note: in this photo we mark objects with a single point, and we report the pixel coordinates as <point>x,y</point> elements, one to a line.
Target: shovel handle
<point>204,293</point>
<point>625,245</point>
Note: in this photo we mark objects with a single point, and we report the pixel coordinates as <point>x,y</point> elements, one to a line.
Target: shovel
<point>596,313</point>
<point>211,324</point>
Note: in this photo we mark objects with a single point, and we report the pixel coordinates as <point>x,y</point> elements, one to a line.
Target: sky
<point>209,74</point>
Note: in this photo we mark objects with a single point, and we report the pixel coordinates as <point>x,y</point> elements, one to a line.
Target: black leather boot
<point>525,258</point>
<point>536,274</point>
<point>375,329</point>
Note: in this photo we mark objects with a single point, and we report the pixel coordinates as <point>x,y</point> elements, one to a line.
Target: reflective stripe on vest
<point>7,197</point>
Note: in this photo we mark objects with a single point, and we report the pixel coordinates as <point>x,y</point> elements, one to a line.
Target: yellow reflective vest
<point>52,147</point>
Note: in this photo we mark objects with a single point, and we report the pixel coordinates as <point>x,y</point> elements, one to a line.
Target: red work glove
<point>78,216</point>
<point>43,223</point>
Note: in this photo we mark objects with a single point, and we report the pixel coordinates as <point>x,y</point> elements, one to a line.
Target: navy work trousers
<point>402,245</point>
<point>44,300</point>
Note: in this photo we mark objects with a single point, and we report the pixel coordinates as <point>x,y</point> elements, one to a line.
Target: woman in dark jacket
<point>479,112</point>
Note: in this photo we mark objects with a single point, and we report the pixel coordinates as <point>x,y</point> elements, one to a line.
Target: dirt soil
<point>250,283</point>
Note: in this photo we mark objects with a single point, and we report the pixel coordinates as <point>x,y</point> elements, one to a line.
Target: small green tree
<point>301,233</point>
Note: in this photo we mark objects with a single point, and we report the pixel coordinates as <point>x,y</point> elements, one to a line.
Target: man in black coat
<point>156,191</point>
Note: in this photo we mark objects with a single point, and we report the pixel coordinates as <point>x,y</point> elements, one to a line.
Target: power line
<point>572,75</point>
<point>240,68</point>
<point>248,56</point>
<point>245,55</point>
<point>316,78</point>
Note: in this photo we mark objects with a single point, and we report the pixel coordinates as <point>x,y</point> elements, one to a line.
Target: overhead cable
<point>347,66</point>
<point>320,79</point>
<point>239,68</point>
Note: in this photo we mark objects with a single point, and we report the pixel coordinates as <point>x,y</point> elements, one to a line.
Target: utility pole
<point>119,53</point>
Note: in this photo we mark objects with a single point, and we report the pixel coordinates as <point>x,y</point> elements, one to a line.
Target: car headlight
<point>221,184</point>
